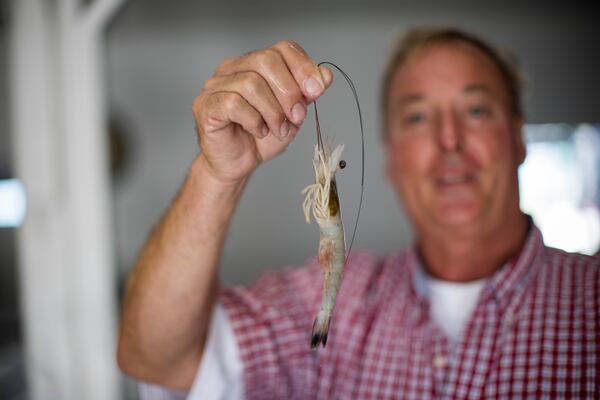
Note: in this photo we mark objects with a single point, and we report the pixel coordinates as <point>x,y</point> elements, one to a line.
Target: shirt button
<point>440,361</point>
<point>511,319</point>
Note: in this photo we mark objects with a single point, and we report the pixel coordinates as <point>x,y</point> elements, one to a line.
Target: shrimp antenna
<point>362,138</point>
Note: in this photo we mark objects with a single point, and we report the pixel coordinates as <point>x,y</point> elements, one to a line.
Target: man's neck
<point>464,258</point>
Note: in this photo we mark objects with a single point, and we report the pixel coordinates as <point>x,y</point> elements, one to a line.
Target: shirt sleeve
<point>258,346</point>
<point>148,391</point>
<point>272,322</point>
<point>220,374</point>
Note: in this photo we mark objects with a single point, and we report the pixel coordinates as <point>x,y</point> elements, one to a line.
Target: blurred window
<point>559,183</point>
<point>12,203</point>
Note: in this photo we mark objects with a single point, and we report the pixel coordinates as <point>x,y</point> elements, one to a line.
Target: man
<point>477,308</point>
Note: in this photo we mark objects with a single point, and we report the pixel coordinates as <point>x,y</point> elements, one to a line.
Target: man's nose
<point>450,136</point>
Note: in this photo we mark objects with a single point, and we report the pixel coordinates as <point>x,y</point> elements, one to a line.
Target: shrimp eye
<point>342,164</point>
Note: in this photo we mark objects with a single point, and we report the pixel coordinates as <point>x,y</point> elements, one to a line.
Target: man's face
<point>453,144</point>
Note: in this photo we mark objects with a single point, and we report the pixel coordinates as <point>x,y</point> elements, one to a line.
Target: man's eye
<point>478,111</point>
<point>415,118</point>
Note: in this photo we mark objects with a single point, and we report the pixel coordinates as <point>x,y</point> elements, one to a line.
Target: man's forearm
<point>171,292</point>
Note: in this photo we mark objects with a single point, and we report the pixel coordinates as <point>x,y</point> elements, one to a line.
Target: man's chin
<point>458,216</point>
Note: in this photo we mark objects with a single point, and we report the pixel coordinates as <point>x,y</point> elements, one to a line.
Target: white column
<point>67,273</point>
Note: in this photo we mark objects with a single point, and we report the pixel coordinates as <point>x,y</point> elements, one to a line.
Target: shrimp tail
<point>320,329</point>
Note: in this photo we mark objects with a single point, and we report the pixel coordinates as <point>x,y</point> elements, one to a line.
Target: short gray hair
<point>416,40</point>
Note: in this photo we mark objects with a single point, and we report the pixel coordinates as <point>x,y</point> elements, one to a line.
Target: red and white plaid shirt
<point>534,333</point>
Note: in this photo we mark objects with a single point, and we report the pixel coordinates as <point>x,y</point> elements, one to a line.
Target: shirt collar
<point>500,286</point>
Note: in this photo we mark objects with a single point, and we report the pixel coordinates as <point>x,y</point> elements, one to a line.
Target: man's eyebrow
<point>477,87</point>
<point>411,98</point>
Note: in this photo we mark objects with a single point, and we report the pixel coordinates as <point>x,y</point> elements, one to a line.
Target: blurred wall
<point>4,133</point>
<point>160,53</point>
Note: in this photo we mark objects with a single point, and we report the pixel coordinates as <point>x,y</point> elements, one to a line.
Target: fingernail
<point>312,86</point>
<point>298,113</point>
<point>326,74</point>
<point>285,129</point>
<point>265,130</point>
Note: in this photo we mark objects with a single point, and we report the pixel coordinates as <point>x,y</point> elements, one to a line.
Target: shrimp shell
<point>322,199</point>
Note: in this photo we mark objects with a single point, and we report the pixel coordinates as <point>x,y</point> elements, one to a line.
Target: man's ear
<point>518,126</point>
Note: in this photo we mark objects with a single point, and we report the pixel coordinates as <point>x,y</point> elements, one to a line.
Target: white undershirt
<point>451,303</point>
<point>220,376</point>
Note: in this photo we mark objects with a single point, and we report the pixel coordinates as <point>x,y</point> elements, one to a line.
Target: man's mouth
<point>453,179</point>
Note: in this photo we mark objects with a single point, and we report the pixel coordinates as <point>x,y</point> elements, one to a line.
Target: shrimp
<point>322,199</point>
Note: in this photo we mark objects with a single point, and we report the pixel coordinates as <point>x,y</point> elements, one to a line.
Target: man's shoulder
<point>562,258</point>
<point>577,271</point>
<point>360,266</point>
<point>364,271</point>
<point>296,291</point>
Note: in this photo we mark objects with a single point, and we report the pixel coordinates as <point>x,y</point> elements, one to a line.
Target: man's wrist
<point>212,186</point>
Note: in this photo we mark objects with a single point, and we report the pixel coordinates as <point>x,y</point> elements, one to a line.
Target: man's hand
<point>253,106</point>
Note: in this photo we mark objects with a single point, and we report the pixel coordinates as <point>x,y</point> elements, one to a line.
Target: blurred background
<point>96,135</point>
